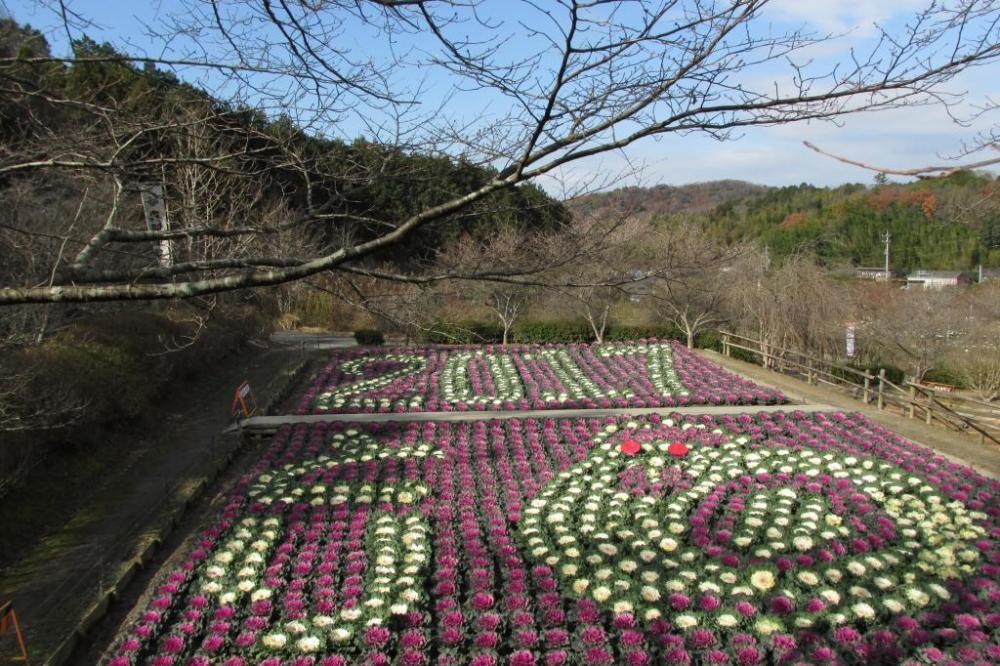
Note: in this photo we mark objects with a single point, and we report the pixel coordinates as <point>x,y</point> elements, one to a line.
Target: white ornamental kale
<point>621,543</point>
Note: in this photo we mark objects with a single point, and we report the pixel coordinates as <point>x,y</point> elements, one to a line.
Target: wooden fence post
<point>929,413</point>
<point>725,344</point>
<point>881,388</point>
<point>809,371</point>
<point>866,397</point>
<point>913,401</point>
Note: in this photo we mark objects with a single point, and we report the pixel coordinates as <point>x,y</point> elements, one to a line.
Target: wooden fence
<point>933,406</point>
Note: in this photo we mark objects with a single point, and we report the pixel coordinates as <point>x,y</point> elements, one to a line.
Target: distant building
<point>989,274</point>
<point>876,273</point>
<point>937,279</point>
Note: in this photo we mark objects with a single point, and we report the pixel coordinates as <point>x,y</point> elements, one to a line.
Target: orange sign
<point>244,401</point>
<point>8,621</point>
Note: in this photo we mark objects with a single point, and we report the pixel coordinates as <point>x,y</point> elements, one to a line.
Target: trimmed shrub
<point>892,373</point>
<point>943,375</point>
<point>746,356</point>
<point>369,336</point>
<point>659,331</point>
<point>542,332</point>
<point>708,340</point>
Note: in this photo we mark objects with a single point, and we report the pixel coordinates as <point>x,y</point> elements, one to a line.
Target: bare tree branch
<point>561,82</point>
<point>918,172</point>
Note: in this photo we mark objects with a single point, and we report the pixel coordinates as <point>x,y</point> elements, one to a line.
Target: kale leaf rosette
<point>360,381</point>
<point>338,512</point>
<point>768,538</point>
<point>733,535</point>
<point>513,377</point>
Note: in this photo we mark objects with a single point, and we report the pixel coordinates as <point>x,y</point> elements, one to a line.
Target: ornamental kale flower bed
<point>776,538</point>
<point>437,378</point>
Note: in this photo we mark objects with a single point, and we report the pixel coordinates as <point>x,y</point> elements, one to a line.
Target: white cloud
<point>843,15</point>
<point>901,138</point>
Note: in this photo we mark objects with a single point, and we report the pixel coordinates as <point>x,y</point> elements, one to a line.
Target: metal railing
<point>912,400</point>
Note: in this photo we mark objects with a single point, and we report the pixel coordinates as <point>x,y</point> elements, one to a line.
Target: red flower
<point>630,447</point>
<point>677,449</point>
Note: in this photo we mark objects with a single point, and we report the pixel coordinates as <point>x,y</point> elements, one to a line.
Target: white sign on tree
<point>156,217</point>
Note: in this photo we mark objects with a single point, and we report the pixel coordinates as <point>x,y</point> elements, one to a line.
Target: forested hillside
<point>951,223</point>
<point>81,145</point>
<point>140,124</point>
<point>665,199</point>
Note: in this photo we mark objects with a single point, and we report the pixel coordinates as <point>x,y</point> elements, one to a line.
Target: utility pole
<point>887,238</point>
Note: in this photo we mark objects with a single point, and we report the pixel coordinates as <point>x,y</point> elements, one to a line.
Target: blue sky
<point>775,156</point>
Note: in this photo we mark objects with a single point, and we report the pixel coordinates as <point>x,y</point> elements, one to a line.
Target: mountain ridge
<point>665,199</point>
<point>946,223</point>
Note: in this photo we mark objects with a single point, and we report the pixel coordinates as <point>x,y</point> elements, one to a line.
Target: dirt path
<point>965,449</point>
<point>59,578</point>
<point>269,424</point>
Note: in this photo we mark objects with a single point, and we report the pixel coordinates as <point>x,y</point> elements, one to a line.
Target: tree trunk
<point>593,325</point>
<point>598,331</point>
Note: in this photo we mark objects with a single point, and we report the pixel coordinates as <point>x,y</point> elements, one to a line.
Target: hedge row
<point>369,336</point>
<point>547,332</point>
<point>554,331</point>
<point>465,332</point>
<point>892,373</point>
